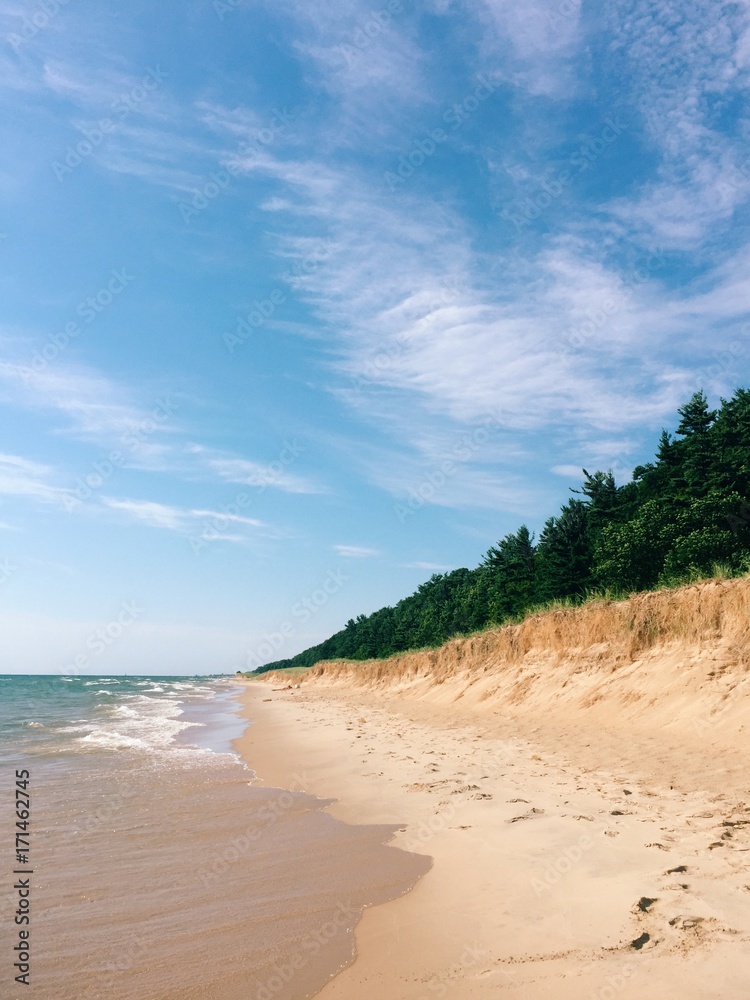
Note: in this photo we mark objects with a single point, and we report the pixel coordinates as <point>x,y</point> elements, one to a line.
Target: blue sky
<point>304,302</point>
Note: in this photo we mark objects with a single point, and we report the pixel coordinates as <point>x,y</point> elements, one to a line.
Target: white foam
<point>126,712</point>
<point>148,722</point>
<point>115,741</point>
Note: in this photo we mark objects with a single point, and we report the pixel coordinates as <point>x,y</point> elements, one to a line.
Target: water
<point>160,871</point>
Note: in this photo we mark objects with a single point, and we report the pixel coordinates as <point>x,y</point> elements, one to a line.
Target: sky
<point>303,302</point>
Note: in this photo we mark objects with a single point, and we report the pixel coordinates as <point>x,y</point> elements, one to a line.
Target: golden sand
<point>581,781</point>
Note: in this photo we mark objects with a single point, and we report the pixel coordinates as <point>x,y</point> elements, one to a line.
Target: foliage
<point>683,516</point>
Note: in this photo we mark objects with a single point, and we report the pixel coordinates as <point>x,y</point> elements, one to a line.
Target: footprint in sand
<point>685,923</point>
<point>640,942</point>
<point>527,815</point>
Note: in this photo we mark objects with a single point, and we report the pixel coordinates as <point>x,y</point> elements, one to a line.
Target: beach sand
<point>572,858</point>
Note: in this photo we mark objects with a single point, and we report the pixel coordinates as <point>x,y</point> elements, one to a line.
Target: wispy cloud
<point>356,551</point>
<point>183,520</point>
<point>22,477</point>
<point>424,327</point>
<point>275,474</point>
<point>97,410</point>
<point>363,54</point>
<point>535,46</point>
<point>682,68</point>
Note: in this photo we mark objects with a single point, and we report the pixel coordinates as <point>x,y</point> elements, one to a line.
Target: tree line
<point>683,516</point>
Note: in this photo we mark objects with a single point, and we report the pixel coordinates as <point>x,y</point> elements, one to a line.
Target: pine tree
<point>564,556</point>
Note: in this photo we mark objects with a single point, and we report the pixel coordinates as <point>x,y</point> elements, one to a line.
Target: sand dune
<point>581,781</point>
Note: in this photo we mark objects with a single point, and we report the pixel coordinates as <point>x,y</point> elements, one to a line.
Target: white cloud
<point>356,551</point>
<point>94,406</point>
<point>157,515</point>
<point>682,66</point>
<point>22,477</point>
<point>97,410</point>
<point>568,471</point>
<point>400,288</point>
<point>535,45</point>
<point>566,343</point>
<point>274,474</point>
<point>183,520</point>
<point>364,55</point>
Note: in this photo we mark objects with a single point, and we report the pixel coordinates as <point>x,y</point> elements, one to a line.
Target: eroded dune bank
<point>678,660</point>
<point>581,782</point>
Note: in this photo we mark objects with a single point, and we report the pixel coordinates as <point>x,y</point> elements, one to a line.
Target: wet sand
<point>569,861</point>
<point>170,875</point>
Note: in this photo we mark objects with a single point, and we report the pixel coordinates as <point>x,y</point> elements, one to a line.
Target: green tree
<point>564,555</point>
<point>512,561</point>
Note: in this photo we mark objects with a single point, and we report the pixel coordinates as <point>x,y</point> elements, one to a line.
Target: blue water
<point>160,869</point>
<point>52,716</point>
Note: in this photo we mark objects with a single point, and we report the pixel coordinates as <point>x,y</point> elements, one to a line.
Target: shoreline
<point>552,850</point>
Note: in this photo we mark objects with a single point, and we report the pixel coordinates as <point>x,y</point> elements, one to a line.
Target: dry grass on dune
<point>686,651</point>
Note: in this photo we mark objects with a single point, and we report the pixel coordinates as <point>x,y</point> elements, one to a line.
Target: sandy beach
<point>589,850</point>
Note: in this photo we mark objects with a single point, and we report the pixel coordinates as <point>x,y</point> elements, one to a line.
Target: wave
<point>115,741</point>
<point>145,719</point>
